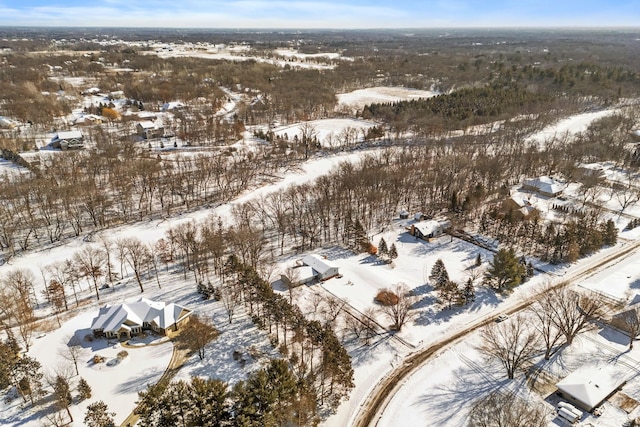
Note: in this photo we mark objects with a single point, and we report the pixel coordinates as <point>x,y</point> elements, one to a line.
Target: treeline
<point>483,104</point>
<point>270,397</point>
<point>554,243</point>
<point>113,184</point>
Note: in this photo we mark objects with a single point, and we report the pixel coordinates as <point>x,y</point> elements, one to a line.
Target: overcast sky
<point>320,14</point>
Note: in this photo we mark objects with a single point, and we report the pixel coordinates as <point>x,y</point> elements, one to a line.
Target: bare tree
<point>630,322</point>
<point>512,342</point>
<point>546,324</point>
<point>500,409</point>
<point>197,334</point>
<point>333,308</point>
<point>72,351</point>
<point>90,263</point>
<point>572,312</point>
<point>398,311</point>
<point>136,255</point>
<point>59,382</point>
<point>16,303</point>
<point>230,300</point>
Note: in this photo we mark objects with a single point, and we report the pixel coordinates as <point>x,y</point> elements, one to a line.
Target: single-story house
<point>588,387</point>
<point>149,130</point>
<point>324,268</point>
<point>544,185</point>
<point>429,229</point>
<point>299,275</point>
<point>122,321</point>
<point>68,140</point>
<point>520,204</point>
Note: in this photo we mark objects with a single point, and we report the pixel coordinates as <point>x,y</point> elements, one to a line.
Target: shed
<point>404,214</point>
<point>324,268</point>
<point>588,387</point>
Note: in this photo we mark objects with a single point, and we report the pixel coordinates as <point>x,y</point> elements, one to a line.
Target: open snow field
<point>357,99</point>
<point>330,132</point>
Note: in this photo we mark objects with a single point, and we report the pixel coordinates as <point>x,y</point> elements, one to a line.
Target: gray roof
<point>112,318</point>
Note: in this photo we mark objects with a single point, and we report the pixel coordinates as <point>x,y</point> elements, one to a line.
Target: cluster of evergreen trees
<point>269,397</point>
<point>450,292</point>
<point>555,243</point>
<point>313,349</point>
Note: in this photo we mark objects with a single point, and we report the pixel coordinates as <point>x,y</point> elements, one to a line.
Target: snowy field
<point>357,99</point>
<point>568,127</point>
<point>330,132</point>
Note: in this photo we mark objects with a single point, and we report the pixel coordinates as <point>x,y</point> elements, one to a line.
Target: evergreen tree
<point>530,270</point>
<point>84,389</point>
<point>383,249</point>
<point>62,393</point>
<point>393,252</point>
<point>210,402</point>
<point>478,260</point>
<point>610,233</point>
<point>505,272</point>
<point>469,292</point>
<point>439,276</point>
<point>28,375</point>
<point>448,293</point>
<point>98,415</point>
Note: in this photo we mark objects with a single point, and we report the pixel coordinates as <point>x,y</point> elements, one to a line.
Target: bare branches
<point>513,343</point>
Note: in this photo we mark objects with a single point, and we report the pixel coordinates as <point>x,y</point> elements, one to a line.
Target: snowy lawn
<point>357,99</point>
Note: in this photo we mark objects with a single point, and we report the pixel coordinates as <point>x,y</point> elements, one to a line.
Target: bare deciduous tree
<point>500,409</point>
<point>399,312</point>
<point>513,343</point>
<point>90,262</point>
<point>72,351</point>
<point>197,334</point>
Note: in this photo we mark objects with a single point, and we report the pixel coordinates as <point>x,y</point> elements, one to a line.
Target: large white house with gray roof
<point>122,321</point>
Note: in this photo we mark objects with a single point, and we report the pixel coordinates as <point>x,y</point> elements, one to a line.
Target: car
<point>501,318</point>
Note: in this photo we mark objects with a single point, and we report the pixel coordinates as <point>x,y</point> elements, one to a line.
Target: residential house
<point>521,206</point>
<point>323,268</point>
<point>149,130</point>
<point>544,185</point>
<point>123,321</point>
<point>430,229</point>
<point>68,140</point>
<point>589,387</point>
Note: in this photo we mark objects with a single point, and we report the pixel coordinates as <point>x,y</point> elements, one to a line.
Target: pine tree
<point>84,389</point>
<point>478,260</point>
<point>98,415</point>
<point>393,252</point>
<point>505,271</point>
<point>469,292</point>
<point>448,293</point>
<point>62,393</point>
<point>28,373</point>
<point>439,275</point>
<point>383,249</point>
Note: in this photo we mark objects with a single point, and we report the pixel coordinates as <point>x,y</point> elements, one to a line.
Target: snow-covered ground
<point>357,99</point>
<point>568,127</point>
<point>330,132</point>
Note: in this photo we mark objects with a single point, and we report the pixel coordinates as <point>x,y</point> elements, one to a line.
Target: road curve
<point>378,399</point>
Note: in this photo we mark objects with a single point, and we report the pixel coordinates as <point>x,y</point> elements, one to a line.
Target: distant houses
<point>123,321</point>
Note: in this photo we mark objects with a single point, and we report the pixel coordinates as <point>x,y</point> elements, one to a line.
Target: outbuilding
<point>324,268</point>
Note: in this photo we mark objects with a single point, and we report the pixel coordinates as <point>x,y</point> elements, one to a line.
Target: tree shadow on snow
<point>459,395</point>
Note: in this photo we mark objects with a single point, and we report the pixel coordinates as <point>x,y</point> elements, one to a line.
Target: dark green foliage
<point>505,271</point>
<point>393,252</point>
<point>27,375</point>
<point>84,389</point>
<point>468,292</point>
<point>439,276</point>
<point>383,249</point>
<point>98,415</point>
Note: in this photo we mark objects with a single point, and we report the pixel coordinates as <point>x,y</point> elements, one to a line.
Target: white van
<point>568,415</point>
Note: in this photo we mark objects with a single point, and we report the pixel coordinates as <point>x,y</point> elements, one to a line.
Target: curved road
<point>384,391</point>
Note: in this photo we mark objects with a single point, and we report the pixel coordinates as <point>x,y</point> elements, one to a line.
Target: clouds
<point>319,14</point>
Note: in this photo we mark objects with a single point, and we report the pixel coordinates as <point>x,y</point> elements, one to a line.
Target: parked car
<point>501,318</point>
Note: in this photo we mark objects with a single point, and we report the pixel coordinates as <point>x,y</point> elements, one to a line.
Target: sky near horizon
<point>320,14</point>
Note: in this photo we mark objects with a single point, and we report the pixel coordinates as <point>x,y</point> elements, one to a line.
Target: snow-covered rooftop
<point>591,385</point>
<point>112,318</point>
<point>319,264</point>
<point>545,184</point>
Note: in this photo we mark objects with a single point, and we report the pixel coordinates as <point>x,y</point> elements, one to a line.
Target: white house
<point>324,268</point>
<point>588,387</point>
<point>125,320</point>
<point>68,140</point>
<point>429,229</point>
<point>544,185</point>
<point>149,130</point>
